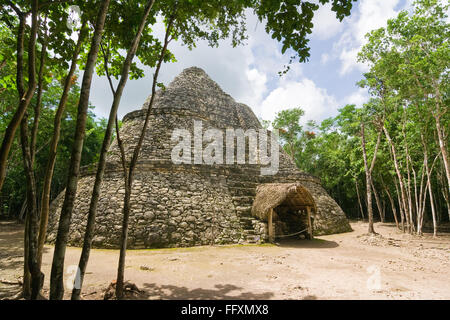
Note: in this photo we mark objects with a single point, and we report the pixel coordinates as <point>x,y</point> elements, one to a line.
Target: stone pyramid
<point>187,204</point>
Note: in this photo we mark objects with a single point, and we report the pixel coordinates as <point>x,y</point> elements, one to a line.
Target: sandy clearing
<point>342,266</point>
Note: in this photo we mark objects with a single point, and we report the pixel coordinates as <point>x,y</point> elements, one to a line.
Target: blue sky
<point>249,73</point>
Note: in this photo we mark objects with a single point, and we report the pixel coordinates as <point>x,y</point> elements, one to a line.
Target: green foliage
<point>408,81</point>
<point>13,193</point>
<point>288,124</point>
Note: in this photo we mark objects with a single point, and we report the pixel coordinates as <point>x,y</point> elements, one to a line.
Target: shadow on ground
<point>220,291</point>
<point>313,244</point>
<point>11,246</point>
<point>11,257</point>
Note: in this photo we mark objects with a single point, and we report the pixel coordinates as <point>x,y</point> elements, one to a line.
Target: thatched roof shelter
<point>272,195</point>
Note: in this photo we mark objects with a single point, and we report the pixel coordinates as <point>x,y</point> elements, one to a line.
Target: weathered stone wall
<point>187,204</point>
<point>168,209</point>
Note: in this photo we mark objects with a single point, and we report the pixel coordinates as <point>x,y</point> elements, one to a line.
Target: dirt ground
<point>342,266</point>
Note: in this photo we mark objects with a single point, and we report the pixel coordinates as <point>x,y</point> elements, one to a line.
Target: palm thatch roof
<point>271,195</point>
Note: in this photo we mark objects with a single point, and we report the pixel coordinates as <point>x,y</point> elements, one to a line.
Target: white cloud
<point>257,88</point>
<point>244,72</point>
<point>357,98</point>
<point>349,61</point>
<point>315,101</point>
<point>367,16</point>
<point>326,25</point>
<point>249,73</point>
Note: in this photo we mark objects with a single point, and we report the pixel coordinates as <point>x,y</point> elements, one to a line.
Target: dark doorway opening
<point>287,208</point>
<point>290,222</point>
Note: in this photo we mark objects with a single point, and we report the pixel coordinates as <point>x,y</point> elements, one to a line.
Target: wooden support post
<point>270,226</point>
<point>310,230</point>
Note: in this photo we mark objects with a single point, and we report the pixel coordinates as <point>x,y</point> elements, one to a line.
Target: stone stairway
<point>242,197</point>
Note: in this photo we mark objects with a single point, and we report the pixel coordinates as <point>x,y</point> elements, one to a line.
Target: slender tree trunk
<point>430,191</point>
<point>438,206</point>
<point>408,174</point>
<point>24,96</point>
<point>56,280</point>
<point>445,195</point>
<point>443,148</point>
<point>128,186</point>
<point>37,277</point>
<point>359,199</point>
<point>442,185</point>
<point>377,200</point>
<point>433,211</point>
<point>37,107</point>
<point>408,197</point>
<point>423,190</point>
<point>29,154</point>
<point>420,212</point>
<point>26,285</point>
<point>437,209</point>
<point>400,207</point>
<point>369,204</point>
<point>89,234</point>
<point>422,193</point>
<point>399,176</point>
<point>391,200</point>
<point>369,175</point>
<point>48,176</point>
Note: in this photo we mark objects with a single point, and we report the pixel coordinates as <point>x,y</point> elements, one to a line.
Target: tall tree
<point>49,171</point>
<point>129,175</point>
<point>56,281</point>
<point>106,143</point>
<point>368,168</point>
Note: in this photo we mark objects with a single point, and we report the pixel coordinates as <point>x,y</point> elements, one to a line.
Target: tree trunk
<point>25,97</point>
<point>89,234</point>
<point>48,176</point>
<point>391,200</point>
<point>369,175</point>
<point>430,191</point>
<point>445,195</point>
<point>29,154</point>
<point>359,199</point>
<point>129,177</point>
<point>377,200</point>
<point>443,148</point>
<point>420,213</point>
<point>37,107</point>
<point>400,207</point>
<point>444,189</point>
<point>408,175</point>
<point>37,277</point>
<point>26,286</point>
<point>56,280</point>
<point>399,176</point>
<point>433,211</point>
<point>369,203</point>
